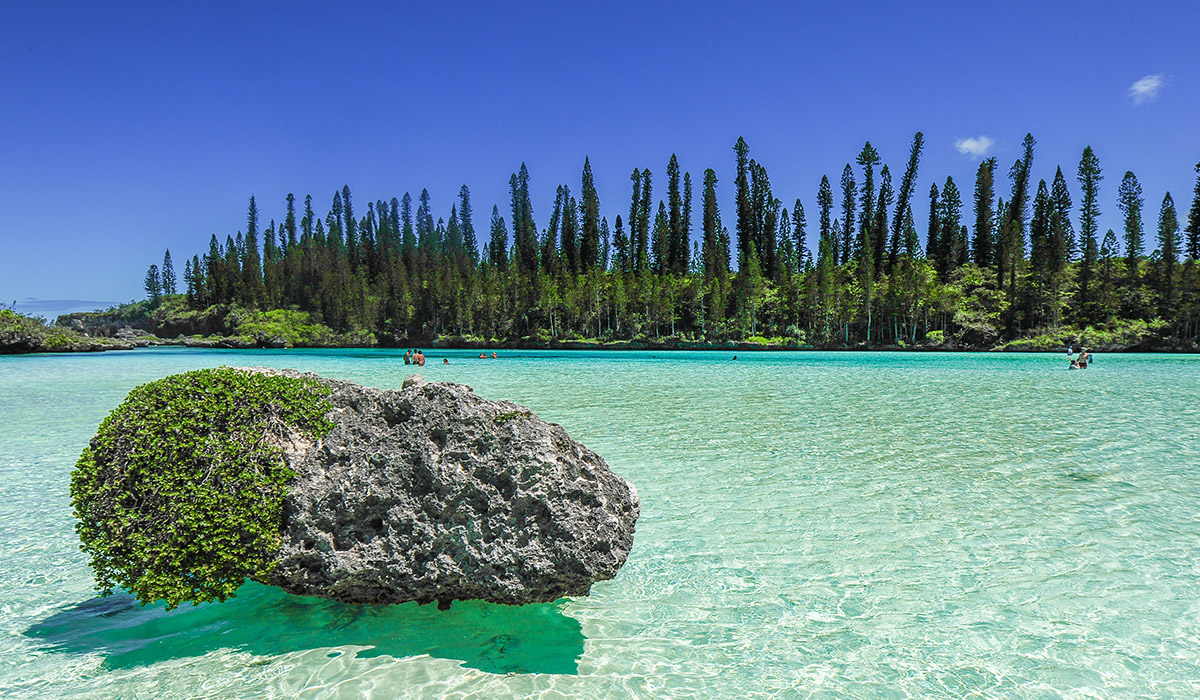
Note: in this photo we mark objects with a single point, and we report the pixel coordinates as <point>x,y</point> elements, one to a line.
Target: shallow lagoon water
<point>814,525</point>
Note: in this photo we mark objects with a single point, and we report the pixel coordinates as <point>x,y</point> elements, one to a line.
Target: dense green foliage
<point>1025,270</point>
<point>179,495</point>
<point>24,334</point>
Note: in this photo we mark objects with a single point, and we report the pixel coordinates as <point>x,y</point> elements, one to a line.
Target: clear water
<point>814,525</point>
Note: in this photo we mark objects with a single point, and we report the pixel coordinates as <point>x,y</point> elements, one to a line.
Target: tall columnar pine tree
<point>524,230</point>
<point>289,223</point>
<point>951,249</point>
<point>252,281</point>
<point>1193,227</point>
<point>1010,251</point>
<point>846,245</point>
<point>498,243</point>
<point>904,196</point>
<point>825,208</point>
<point>589,244</point>
<point>153,284</point>
<point>1129,201</point>
<point>1168,250</point>
<point>621,261</point>
<point>864,246</point>
<point>1089,176</point>
<point>466,227</point>
<point>933,236</point>
<point>1043,256</point>
<point>168,274</point>
<point>659,240</point>
<point>879,227</point>
<point>800,237</point>
<point>674,219</point>
<point>643,230</point>
<point>685,230</point>
<point>741,184</point>
<point>570,235</point>
<point>983,243</point>
<point>1062,244</point>
<point>605,245</point>
<point>710,225</point>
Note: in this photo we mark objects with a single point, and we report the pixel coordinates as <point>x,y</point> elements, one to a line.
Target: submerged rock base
<point>433,494</point>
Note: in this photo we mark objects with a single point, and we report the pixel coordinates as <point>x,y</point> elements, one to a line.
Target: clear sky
<point>130,128</point>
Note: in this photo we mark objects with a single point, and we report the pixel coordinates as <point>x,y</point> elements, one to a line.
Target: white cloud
<point>976,146</point>
<point>1147,88</point>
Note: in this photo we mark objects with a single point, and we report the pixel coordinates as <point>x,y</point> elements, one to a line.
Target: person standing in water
<point>408,357</point>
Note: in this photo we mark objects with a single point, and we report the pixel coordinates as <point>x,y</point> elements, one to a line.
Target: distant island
<point>1024,276</point>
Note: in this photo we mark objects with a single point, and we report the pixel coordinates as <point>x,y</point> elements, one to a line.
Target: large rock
<point>433,494</point>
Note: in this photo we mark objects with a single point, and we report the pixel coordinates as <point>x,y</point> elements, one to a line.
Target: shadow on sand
<point>263,620</point>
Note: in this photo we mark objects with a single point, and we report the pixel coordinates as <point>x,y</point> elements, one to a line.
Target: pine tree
<point>605,245</point>
<point>847,246</point>
<point>868,157</point>
<point>685,230</point>
<point>1168,249</point>
<point>350,229</point>
<point>635,209</point>
<point>466,226</point>
<point>745,226</point>
<point>252,283</point>
<point>1129,201</point>
<point>676,250</point>
<point>1063,235</point>
<point>933,238</point>
<point>983,243</point>
<point>800,237</point>
<point>904,197</point>
<point>498,244</point>
<point>879,225</point>
<point>1010,248</point>
<point>642,251</point>
<point>153,284</point>
<point>659,251</point>
<point>570,235</point>
<point>710,224</point>
<point>168,274</point>
<point>589,245</point>
<point>951,250</point>
<point>621,260</point>
<point>524,230</point>
<point>1193,227</point>
<point>289,224</point>
<point>1089,208</point>
<point>825,205</point>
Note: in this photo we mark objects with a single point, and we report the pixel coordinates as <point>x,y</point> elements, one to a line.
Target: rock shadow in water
<point>262,620</point>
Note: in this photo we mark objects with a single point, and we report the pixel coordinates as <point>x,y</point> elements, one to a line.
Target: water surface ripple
<point>814,525</point>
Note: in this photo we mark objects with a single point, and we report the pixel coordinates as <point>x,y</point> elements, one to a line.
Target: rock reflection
<point>535,638</point>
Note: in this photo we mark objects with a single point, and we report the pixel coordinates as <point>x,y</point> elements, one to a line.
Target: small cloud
<point>976,146</point>
<point>1147,88</point>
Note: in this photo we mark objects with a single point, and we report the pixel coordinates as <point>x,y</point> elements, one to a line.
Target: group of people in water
<point>1080,361</point>
<point>416,357</point>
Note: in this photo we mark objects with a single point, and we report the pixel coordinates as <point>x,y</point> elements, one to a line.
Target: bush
<point>180,493</point>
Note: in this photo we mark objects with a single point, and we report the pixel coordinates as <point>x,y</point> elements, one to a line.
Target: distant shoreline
<point>584,345</point>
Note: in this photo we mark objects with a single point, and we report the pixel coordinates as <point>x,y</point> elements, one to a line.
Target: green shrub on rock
<point>180,493</point>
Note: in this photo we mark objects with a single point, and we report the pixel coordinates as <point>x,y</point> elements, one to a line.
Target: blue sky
<point>132,128</point>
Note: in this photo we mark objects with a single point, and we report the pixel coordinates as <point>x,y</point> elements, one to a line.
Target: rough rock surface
<point>433,494</point>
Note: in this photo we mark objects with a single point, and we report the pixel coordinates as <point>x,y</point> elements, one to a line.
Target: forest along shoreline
<point>1025,270</point>
<point>138,325</point>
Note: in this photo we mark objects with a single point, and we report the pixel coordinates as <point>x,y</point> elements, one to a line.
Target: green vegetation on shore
<point>179,496</point>
<point>25,334</point>
<point>1021,272</point>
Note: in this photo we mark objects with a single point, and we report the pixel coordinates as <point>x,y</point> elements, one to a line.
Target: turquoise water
<point>814,525</point>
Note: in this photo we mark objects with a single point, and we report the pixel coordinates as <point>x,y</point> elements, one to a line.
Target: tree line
<point>1020,261</point>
